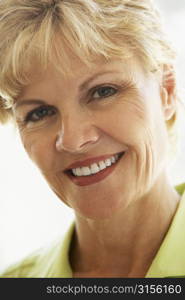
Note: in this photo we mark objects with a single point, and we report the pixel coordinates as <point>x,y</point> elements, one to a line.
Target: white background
<point>30,214</point>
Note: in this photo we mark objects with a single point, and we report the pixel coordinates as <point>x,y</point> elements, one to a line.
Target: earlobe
<point>168,92</point>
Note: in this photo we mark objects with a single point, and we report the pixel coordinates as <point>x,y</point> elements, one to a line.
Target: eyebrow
<point>28,102</point>
<point>83,86</point>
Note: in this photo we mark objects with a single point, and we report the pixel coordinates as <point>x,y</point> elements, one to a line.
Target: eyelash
<point>105,87</point>
<point>49,110</point>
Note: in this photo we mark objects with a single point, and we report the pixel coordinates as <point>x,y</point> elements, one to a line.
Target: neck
<point>125,244</point>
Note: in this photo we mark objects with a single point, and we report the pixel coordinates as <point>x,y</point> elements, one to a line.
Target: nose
<point>76,134</point>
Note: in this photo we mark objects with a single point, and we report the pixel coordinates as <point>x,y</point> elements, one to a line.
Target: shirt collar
<point>56,262</point>
<point>170,258</point>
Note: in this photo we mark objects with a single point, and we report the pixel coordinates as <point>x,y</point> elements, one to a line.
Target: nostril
<point>74,144</point>
<point>87,143</point>
<point>75,138</point>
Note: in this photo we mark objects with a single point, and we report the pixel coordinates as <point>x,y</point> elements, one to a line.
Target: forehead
<point>53,84</point>
<point>78,71</point>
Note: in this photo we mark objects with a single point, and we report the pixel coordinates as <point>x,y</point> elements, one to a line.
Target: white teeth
<point>74,172</point>
<point>78,172</point>
<point>95,168</point>
<point>102,165</point>
<point>85,171</point>
<point>113,160</point>
<point>108,162</point>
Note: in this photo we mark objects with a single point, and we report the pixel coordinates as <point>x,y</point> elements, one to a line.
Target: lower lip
<point>94,178</point>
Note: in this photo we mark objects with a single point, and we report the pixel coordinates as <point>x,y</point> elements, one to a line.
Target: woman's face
<point>98,135</point>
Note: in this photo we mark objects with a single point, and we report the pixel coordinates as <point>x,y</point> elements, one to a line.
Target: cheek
<point>151,153</point>
<point>126,122</point>
<point>142,130</point>
<point>42,152</point>
<point>39,149</point>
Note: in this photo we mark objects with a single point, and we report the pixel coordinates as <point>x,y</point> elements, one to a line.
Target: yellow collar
<point>170,258</point>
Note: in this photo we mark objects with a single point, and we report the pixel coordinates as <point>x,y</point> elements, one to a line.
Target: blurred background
<point>30,214</point>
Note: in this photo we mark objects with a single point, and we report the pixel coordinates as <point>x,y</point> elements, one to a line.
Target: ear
<point>168,92</point>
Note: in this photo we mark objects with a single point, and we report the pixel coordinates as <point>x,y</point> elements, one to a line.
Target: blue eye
<point>104,92</point>
<point>40,113</point>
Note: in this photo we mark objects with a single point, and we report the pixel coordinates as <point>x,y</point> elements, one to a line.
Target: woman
<point>91,87</point>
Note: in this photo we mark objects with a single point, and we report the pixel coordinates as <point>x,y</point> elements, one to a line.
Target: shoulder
<point>48,261</point>
<point>34,265</point>
<point>24,267</point>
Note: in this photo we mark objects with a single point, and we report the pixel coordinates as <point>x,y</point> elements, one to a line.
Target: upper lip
<point>90,161</point>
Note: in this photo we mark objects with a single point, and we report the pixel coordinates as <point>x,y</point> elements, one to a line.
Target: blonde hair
<point>44,30</point>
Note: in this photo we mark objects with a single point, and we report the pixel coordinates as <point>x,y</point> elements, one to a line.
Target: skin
<point>121,220</point>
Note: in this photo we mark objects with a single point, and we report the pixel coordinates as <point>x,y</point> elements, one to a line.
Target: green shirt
<point>54,261</point>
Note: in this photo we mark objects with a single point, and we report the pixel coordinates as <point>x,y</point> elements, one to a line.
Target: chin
<point>99,209</point>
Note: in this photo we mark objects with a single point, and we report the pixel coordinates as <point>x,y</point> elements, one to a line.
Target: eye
<point>40,113</point>
<point>104,92</point>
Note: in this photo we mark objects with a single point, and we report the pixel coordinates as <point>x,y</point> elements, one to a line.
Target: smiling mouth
<point>95,172</point>
<point>95,167</point>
